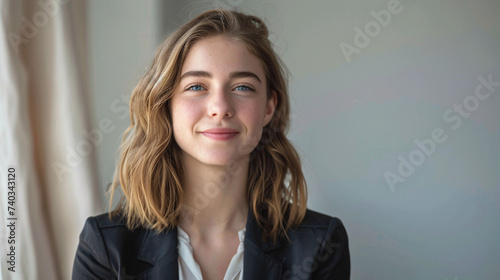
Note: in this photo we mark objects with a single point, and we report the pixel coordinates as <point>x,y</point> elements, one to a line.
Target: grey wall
<point>356,119</point>
<point>123,36</point>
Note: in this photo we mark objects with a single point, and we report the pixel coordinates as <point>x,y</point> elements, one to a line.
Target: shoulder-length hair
<point>149,169</point>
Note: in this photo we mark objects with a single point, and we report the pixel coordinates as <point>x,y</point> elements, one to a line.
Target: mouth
<point>220,133</point>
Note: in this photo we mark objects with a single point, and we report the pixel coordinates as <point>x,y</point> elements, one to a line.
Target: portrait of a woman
<point>211,186</point>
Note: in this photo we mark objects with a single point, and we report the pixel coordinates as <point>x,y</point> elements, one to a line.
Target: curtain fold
<point>46,136</point>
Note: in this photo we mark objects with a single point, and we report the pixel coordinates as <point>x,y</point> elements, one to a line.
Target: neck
<point>215,197</point>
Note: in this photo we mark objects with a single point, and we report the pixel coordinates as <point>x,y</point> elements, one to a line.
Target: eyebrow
<point>232,75</point>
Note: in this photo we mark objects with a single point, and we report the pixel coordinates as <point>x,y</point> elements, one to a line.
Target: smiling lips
<point>220,133</point>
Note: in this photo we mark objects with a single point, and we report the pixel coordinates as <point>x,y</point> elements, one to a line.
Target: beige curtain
<point>46,137</point>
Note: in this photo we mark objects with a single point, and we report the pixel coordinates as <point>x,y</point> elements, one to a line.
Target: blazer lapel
<point>256,263</point>
<point>161,251</point>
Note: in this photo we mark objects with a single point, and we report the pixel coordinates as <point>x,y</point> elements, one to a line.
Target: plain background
<point>355,119</point>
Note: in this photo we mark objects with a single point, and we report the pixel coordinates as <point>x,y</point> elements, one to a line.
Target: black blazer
<point>318,250</point>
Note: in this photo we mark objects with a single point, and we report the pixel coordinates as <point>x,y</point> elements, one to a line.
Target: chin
<point>216,157</point>
<point>219,161</point>
<point>222,159</point>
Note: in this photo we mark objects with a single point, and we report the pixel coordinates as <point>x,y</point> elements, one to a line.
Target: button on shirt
<point>189,268</point>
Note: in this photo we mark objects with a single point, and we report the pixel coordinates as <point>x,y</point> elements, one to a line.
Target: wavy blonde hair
<point>149,169</point>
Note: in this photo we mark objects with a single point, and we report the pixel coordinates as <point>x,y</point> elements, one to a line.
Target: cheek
<point>253,119</point>
<point>254,114</point>
<point>183,118</point>
<point>184,113</point>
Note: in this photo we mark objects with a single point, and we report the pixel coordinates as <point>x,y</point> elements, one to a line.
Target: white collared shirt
<point>189,268</point>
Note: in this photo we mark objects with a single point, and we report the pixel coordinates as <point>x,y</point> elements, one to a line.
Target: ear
<point>271,107</point>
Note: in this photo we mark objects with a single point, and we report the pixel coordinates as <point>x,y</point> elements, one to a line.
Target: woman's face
<point>220,106</point>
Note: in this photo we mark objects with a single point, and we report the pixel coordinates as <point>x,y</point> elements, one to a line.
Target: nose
<point>220,105</point>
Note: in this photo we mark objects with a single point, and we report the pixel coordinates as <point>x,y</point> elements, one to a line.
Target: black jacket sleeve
<point>91,260</point>
<point>333,256</point>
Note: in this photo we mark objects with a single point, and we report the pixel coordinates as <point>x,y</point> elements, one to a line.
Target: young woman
<point>212,187</point>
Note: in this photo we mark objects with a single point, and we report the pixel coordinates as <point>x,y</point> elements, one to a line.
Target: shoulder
<point>111,232</point>
<point>105,243</point>
<point>102,228</point>
<point>320,226</point>
<point>319,220</point>
<point>103,221</point>
<point>318,246</point>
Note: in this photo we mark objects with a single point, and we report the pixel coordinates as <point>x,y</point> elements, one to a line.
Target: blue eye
<point>243,88</point>
<point>195,88</point>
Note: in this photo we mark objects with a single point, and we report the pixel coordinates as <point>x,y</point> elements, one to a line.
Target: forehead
<point>220,56</point>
